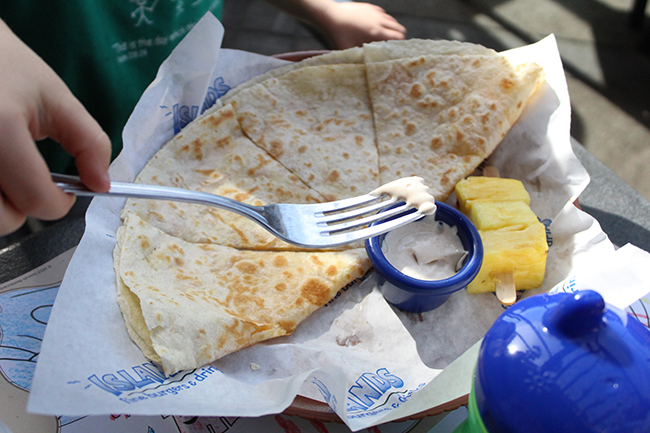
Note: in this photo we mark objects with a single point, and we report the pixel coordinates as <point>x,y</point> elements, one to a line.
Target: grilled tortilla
<point>187,304</point>
<point>213,155</point>
<point>316,121</point>
<point>351,55</point>
<point>440,116</point>
<point>405,49</point>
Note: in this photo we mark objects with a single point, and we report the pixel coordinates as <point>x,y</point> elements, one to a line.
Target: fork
<point>317,225</point>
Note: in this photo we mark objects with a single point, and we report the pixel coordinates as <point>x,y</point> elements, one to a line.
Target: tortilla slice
<point>373,52</point>
<point>213,155</point>
<point>351,55</point>
<point>130,304</point>
<point>188,304</point>
<point>317,122</point>
<point>440,116</point>
<point>402,49</point>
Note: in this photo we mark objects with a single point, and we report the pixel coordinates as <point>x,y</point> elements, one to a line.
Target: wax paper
<point>400,363</point>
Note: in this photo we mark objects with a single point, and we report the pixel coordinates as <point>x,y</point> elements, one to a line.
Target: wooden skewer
<point>491,171</point>
<point>505,288</point>
<point>505,281</point>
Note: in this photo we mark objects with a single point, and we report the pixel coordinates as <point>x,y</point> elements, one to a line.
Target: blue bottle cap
<point>564,362</point>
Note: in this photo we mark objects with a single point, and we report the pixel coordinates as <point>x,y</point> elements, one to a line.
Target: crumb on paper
<point>254,366</point>
<point>350,340</point>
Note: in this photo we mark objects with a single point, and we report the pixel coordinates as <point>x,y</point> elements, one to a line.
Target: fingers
<point>353,24</point>
<point>391,34</point>
<point>10,218</point>
<point>392,28</point>
<point>391,24</point>
<point>25,182</point>
<point>34,104</point>
<point>26,187</point>
<point>389,31</point>
<point>67,122</point>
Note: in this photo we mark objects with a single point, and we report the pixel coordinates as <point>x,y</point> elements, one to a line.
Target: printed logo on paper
<point>145,382</point>
<point>371,394</point>
<point>184,115</point>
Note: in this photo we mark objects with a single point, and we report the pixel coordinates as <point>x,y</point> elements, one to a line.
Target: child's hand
<point>352,24</point>
<point>35,104</point>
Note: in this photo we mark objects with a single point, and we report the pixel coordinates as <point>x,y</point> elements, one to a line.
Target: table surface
<point>623,213</point>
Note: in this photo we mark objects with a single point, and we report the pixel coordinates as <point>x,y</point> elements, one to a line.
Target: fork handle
<point>74,185</point>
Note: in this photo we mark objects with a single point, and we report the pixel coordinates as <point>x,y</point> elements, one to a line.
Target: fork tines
<point>359,212</point>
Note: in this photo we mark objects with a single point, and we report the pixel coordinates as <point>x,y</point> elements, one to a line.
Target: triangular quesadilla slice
<point>407,48</point>
<point>317,122</point>
<point>189,304</point>
<point>351,55</point>
<point>213,155</point>
<point>440,116</point>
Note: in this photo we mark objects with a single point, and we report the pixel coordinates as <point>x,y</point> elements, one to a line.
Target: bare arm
<point>345,24</point>
<point>35,104</point>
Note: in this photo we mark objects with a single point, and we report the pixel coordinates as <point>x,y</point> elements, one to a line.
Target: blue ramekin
<point>415,295</point>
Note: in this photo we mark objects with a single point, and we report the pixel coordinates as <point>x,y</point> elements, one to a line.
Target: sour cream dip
<point>412,190</point>
<point>426,249</point>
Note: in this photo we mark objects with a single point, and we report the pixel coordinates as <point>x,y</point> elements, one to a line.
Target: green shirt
<point>106,51</point>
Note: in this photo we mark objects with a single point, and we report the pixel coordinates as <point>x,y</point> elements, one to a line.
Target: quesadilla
<point>440,116</point>
<point>196,283</point>
<point>351,55</point>
<point>213,155</point>
<point>187,304</point>
<point>316,121</point>
<point>408,48</point>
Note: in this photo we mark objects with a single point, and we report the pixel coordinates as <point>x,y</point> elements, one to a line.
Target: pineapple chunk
<point>514,241</point>
<point>490,215</point>
<point>489,188</point>
<point>521,251</point>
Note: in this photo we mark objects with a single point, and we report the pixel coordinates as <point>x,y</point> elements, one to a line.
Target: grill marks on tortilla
<point>317,122</point>
<point>214,299</point>
<point>213,155</point>
<point>439,116</point>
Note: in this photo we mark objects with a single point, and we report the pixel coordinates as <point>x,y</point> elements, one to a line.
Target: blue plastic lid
<point>564,362</point>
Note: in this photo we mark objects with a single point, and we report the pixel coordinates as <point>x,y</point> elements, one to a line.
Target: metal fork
<point>306,225</point>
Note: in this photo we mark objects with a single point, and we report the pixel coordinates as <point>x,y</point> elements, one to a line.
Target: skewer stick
<point>505,288</point>
<point>491,171</point>
<point>505,281</point>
